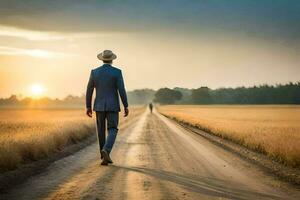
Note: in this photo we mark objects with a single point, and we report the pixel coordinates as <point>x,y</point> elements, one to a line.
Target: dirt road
<point>154,158</point>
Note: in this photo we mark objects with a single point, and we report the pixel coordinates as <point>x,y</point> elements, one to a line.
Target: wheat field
<point>272,130</point>
<point>28,135</point>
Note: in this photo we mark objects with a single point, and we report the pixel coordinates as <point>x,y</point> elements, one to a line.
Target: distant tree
<point>26,101</point>
<point>13,98</point>
<point>186,95</point>
<point>262,94</point>
<point>167,96</point>
<point>74,100</point>
<point>141,96</point>
<point>201,96</point>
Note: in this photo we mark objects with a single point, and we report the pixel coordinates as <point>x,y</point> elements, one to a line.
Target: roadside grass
<point>29,135</point>
<point>272,130</point>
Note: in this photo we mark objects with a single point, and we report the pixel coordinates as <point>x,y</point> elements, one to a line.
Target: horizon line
<point>20,96</point>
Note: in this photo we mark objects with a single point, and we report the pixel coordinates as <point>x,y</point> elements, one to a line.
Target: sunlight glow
<point>29,34</point>
<point>38,53</point>
<point>37,90</point>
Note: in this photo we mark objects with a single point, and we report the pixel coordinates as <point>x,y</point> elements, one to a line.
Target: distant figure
<point>109,84</point>
<point>151,107</point>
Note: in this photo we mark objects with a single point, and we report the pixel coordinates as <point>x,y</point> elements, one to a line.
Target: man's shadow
<point>203,185</point>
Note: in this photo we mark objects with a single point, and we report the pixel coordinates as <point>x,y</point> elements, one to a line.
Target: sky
<point>53,45</point>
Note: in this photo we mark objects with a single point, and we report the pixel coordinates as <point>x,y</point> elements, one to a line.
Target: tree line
<point>263,94</point>
<point>69,101</point>
<point>141,96</point>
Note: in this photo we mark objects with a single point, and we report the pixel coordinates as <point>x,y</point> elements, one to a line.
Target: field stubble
<point>28,135</point>
<point>272,130</point>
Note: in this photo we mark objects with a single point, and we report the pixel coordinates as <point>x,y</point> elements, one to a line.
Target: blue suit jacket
<point>108,82</point>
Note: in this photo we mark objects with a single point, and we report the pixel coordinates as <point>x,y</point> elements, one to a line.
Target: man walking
<point>151,107</point>
<point>108,82</point>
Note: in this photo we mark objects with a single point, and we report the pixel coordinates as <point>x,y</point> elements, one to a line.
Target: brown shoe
<point>104,162</point>
<point>106,158</point>
<point>110,162</point>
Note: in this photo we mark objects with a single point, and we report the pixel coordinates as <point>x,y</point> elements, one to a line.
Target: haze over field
<point>50,47</point>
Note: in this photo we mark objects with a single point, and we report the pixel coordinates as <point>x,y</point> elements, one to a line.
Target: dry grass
<point>27,135</point>
<point>273,130</point>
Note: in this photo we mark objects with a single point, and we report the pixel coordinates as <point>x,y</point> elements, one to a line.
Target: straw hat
<point>106,55</point>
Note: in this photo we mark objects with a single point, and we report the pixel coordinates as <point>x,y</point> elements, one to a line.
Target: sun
<point>37,90</point>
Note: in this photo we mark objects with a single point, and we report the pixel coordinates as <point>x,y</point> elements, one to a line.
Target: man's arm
<point>122,92</point>
<point>89,94</point>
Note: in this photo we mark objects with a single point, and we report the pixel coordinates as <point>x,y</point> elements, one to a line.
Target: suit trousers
<point>111,119</point>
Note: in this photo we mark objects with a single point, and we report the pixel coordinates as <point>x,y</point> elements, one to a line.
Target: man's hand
<point>89,112</point>
<point>126,112</point>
